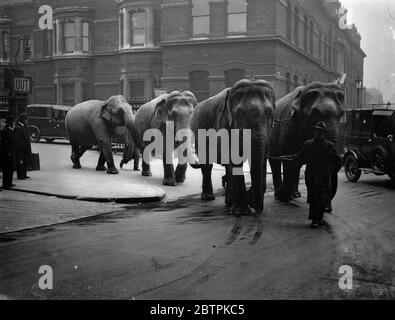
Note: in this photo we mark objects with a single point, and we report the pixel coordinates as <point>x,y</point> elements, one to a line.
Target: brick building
<point>138,48</point>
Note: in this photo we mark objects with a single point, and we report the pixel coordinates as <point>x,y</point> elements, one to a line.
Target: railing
<point>388,106</point>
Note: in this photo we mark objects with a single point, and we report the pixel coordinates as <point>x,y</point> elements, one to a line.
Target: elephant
<point>92,123</point>
<point>130,151</point>
<point>294,118</point>
<point>175,107</point>
<point>247,105</point>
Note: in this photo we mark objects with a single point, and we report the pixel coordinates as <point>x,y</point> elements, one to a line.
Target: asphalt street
<point>193,250</point>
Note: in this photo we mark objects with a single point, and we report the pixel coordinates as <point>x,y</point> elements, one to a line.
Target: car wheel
<point>351,169</point>
<point>34,134</point>
<point>380,159</point>
<point>49,140</point>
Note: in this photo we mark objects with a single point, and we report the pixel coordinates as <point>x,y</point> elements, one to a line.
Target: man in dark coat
<point>8,153</point>
<point>322,160</point>
<point>23,150</point>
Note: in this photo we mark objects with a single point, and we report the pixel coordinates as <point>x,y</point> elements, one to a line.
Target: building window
<point>287,83</point>
<point>289,21</point>
<point>237,16</point>
<point>304,82</point>
<point>320,47</point>
<point>138,25</point>
<point>200,17</point>
<point>47,40</point>
<point>311,38</point>
<point>296,26</point>
<point>232,76</point>
<point>5,43</point>
<point>69,37</point>
<point>137,89</point>
<point>85,37</point>
<point>26,48</point>
<point>305,34</point>
<point>86,91</point>
<point>68,94</point>
<point>199,84</point>
<point>121,31</point>
<point>296,82</point>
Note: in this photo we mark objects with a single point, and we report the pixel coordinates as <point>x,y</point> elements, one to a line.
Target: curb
<point>156,198</point>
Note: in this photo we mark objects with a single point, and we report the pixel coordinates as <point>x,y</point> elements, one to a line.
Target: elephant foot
<point>112,171</point>
<point>180,178</point>
<point>296,195</point>
<point>206,196</point>
<point>169,182</point>
<point>241,210</point>
<point>76,164</point>
<point>101,168</point>
<point>121,164</point>
<point>146,173</point>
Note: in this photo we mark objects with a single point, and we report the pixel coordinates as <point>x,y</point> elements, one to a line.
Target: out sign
<point>22,85</point>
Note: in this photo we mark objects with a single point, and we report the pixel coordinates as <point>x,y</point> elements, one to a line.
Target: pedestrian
<point>23,149</point>
<point>322,160</point>
<point>8,152</point>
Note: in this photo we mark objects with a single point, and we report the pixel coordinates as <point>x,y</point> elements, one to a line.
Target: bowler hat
<point>321,125</point>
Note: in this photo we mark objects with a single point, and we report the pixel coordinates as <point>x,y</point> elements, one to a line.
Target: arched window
<point>232,76</point>
<point>287,83</point>
<point>138,25</point>
<point>296,26</point>
<point>237,16</point>
<point>199,85</point>
<point>200,18</point>
<point>305,34</point>
<point>289,20</point>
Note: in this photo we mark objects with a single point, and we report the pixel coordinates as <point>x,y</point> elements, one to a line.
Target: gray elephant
<point>295,116</point>
<point>92,123</point>
<point>174,107</point>
<point>247,105</point>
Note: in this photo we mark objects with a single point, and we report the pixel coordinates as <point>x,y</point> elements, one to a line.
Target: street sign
<point>22,84</point>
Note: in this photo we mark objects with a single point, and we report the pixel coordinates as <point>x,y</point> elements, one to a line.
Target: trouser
<point>316,211</point>
<point>21,169</point>
<point>8,173</point>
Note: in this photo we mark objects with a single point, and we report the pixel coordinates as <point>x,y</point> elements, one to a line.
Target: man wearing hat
<point>8,152</point>
<point>23,148</point>
<point>321,159</point>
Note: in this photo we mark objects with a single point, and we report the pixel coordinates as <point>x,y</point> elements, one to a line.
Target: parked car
<point>369,139</point>
<point>46,121</point>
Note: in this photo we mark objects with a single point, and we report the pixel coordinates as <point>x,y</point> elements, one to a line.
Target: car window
<point>40,112</point>
<point>59,115</point>
<point>383,126</point>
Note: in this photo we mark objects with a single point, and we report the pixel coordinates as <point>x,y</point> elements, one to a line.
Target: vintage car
<point>46,121</point>
<point>369,142</point>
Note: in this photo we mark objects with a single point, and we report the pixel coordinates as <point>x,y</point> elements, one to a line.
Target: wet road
<point>190,250</point>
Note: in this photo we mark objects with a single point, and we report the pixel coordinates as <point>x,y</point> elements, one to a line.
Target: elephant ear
<point>296,110</point>
<point>225,117</point>
<point>161,114</point>
<point>107,110</point>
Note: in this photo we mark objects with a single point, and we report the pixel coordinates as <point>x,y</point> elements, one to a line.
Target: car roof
<point>53,106</point>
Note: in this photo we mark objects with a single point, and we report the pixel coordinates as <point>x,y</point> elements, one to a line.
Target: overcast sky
<point>375,21</point>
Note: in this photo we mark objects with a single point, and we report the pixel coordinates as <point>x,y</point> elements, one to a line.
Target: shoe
<point>322,223</point>
<point>314,225</point>
<point>21,178</point>
<point>9,187</point>
<point>26,177</point>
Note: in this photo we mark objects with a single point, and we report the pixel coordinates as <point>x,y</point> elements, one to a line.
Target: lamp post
<point>358,85</point>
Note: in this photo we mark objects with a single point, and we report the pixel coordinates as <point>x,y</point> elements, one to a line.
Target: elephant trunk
<point>131,126</point>
<point>257,167</point>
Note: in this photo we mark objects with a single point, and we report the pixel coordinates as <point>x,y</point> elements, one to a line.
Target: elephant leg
<point>106,150</point>
<point>169,177</point>
<point>296,193</point>
<point>146,169</point>
<point>136,161</point>
<point>207,187</point>
<point>101,163</point>
<point>284,194</point>
<point>275,165</point>
<point>228,186</point>
<point>75,158</point>
<point>180,172</point>
<point>239,195</point>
